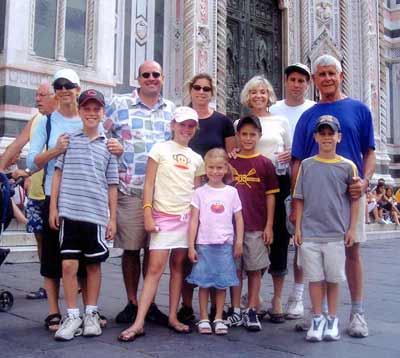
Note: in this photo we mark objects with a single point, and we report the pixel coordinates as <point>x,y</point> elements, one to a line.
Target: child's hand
<point>111,230</point>
<point>298,240</point>
<point>54,220</point>
<point>238,250</point>
<point>349,238</point>
<point>268,236</point>
<point>192,253</point>
<point>149,224</point>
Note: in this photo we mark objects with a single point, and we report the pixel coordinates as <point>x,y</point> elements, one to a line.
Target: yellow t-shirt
<point>174,185</point>
<point>36,190</point>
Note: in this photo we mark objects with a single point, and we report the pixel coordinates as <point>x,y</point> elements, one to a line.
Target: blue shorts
<point>34,215</point>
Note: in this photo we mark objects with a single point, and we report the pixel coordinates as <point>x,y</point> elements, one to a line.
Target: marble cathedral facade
<point>230,39</point>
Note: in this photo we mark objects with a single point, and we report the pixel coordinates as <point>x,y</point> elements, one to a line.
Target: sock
<point>73,312</point>
<point>324,306</point>
<point>297,292</point>
<point>90,309</point>
<point>236,310</point>
<point>357,307</point>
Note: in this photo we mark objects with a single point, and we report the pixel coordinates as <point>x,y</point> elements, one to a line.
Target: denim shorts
<point>215,267</point>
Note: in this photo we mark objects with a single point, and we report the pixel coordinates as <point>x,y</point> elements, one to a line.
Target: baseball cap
<point>91,94</point>
<point>184,113</point>
<point>68,74</point>
<point>298,67</point>
<point>330,121</point>
<point>250,119</point>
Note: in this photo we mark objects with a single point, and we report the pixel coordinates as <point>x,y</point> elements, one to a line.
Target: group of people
<point>190,187</point>
<point>381,205</point>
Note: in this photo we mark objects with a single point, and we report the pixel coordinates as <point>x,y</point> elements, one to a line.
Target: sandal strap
<point>219,324</point>
<point>204,323</point>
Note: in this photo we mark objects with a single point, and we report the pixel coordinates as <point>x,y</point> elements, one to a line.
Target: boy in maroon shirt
<point>255,179</point>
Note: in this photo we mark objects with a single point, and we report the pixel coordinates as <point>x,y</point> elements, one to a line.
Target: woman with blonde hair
<point>275,144</point>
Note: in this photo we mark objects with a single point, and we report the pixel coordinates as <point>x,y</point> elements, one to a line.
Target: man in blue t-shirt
<point>358,145</point>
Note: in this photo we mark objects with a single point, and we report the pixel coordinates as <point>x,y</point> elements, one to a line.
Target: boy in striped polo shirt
<point>83,207</point>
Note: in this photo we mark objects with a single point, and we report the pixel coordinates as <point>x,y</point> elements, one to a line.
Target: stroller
<point>6,214</point>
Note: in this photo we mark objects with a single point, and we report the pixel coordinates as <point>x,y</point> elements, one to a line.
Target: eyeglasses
<point>198,88</point>
<point>153,74</point>
<point>59,85</point>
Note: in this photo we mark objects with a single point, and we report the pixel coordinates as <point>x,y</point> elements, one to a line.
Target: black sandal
<point>52,320</point>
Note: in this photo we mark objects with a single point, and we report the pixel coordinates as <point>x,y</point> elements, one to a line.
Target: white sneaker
<point>358,326</point>
<point>91,325</point>
<point>234,319</point>
<point>70,328</point>
<point>331,332</point>
<point>316,331</point>
<point>294,308</point>
<point>251,321</point>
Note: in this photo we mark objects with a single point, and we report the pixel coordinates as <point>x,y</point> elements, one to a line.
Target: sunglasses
<point>198,88</point>
<point>59,85</point>
<point>153,74</point>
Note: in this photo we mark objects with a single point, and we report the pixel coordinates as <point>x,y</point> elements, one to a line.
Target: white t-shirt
<point>292,113</point>
<point>276,136</point>
<point>177,168</point>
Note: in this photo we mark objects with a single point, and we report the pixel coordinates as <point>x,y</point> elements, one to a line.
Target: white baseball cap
<point>68,74</point>
<point>183,113</point>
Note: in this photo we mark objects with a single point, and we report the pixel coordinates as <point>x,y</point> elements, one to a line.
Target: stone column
<point>199,38</point>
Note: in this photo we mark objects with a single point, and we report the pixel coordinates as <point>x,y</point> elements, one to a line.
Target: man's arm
<point>16,146</point>
<point>360,185</point>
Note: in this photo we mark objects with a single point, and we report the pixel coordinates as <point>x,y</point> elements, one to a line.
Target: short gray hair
<point>255,82</point>
<point>326,60</point>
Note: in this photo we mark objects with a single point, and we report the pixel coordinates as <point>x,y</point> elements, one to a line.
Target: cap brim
<point>101,103</point>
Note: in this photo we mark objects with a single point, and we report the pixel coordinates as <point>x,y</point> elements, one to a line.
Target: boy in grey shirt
<point>325,216</point>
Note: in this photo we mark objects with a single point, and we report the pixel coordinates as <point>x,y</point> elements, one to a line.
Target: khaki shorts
<point>361,235</point>
<point>322,261</point>
<point>255,253</point>
<point>130,224</point>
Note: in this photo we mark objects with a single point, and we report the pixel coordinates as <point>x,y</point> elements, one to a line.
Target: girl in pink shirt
<point>213,206</point>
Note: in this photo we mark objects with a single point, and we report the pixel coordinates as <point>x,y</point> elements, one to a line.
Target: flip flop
<point>276,317</point>
<point>176,329</point>
<point>52,322</point>
<point>130,336</point>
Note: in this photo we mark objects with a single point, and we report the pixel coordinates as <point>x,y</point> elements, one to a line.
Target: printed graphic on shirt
<point>217,207</point>
<point>182,161</point>
<point>245,179</point>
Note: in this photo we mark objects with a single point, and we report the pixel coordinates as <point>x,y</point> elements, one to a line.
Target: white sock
<point>90,309</point>
<point>236,310</point>
<point>73,312</point>
<point>297,292</point>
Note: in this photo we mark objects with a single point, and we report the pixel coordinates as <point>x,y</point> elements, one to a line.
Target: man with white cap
<point>297,81</point>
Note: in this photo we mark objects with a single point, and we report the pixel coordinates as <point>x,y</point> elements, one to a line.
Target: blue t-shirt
<point>357,130</point>
<point>59,125</point>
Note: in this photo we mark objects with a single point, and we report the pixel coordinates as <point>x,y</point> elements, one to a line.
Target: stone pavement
<point>22,333</point>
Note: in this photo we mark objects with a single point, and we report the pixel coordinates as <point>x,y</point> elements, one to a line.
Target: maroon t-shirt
<point>254,177</point>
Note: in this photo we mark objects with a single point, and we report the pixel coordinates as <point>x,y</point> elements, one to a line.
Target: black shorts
<point>279,248</point>
<point>50,263</point>
<point>80,239</point>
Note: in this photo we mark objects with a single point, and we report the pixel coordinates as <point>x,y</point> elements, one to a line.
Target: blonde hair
<point>255,82</point>
<point>220,154</point>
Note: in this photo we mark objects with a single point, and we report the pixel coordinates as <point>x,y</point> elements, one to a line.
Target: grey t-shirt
<point>323,186</point>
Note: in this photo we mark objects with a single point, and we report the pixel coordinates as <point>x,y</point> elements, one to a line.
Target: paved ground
<point>22,333</point>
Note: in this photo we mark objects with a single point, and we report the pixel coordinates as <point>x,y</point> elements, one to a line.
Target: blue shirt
<point>357,130</point>
<point>59,125</point>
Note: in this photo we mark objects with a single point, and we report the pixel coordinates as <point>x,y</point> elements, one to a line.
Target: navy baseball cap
<point>330,121</point>
<point>250,119</point>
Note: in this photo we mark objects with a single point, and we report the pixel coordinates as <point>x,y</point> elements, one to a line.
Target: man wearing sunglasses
<point>137,120</point>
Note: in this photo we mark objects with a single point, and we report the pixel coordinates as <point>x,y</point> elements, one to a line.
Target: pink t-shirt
<point>217,206</point>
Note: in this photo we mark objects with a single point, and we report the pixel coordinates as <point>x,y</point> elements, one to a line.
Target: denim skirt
<point>215,267</point>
